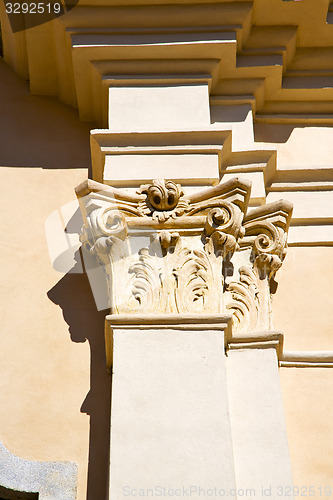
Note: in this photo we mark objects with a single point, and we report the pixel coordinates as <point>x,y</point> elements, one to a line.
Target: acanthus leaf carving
<point>164,240</point>
<point>220,244</point>
<point>147,284</point>
<point>194,290</point>
<point>267,265</point>
<point>244,302</point>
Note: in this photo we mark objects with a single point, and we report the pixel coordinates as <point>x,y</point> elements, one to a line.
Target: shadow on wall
<point>38,131</point>
<point>6,494</point>
<point>273,132</point>
<point>73,294</point>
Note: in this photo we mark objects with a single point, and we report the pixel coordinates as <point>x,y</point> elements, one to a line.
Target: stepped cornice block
<point>105,143</point>
<point>243,50</point>
<point>208,47</point>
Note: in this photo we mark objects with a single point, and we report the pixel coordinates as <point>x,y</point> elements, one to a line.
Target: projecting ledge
<point>189,322</point>
<point>307,359</point>
<point>193,323</point>
<point>257,340</point>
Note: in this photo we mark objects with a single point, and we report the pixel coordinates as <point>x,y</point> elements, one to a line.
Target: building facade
<point>167,214</point>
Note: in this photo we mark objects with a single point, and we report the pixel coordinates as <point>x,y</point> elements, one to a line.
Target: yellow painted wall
<point>54,389</point>
<point>307,395</point>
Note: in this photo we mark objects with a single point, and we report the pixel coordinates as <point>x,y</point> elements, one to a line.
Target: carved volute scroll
<point>166,252</point>
<point>265,247</point>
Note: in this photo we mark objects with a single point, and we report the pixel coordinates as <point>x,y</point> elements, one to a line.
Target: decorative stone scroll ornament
<point>163,200</point>
<point>166,252</point>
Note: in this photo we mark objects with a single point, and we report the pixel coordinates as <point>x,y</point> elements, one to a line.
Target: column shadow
<point>73,294</point>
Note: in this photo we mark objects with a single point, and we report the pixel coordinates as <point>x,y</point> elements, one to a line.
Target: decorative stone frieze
<point>166,252</point>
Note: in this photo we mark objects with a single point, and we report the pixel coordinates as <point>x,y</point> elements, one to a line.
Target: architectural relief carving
<point>163,200</point>
<point>245,299</point>
<point>147,284</point>
<point>265,243</point>
<point>167,252</point>
<point>194,282</point>
<point>266,227</point>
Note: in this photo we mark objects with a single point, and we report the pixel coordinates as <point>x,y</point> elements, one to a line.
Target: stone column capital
<point>170,253</point>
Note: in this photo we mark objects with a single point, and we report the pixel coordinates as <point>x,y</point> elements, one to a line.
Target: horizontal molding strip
<point>307,359</point>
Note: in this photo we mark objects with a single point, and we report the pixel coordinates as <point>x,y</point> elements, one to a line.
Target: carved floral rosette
<point>166,252</point>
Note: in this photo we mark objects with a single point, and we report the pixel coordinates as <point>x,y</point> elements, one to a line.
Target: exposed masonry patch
<point>52,480</point>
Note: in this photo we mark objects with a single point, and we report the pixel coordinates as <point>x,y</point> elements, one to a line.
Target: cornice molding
<point>279,60</point>
<point>183,322</point>
<point>258,340</point>
<point>307,359</point>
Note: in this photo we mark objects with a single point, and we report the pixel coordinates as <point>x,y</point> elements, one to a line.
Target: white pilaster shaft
<point>260,447</point>
<point>170,428</point>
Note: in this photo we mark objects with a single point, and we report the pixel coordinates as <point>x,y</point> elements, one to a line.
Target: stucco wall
<point>302,303</point>
<point>307,395</point>
<point>50,380</point>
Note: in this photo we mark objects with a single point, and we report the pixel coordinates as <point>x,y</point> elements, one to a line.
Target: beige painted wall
<point>302,309</point>
<point>44,376</point>
<point>307,395</point>
<point>50,381</point>
<point>302,304</point>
